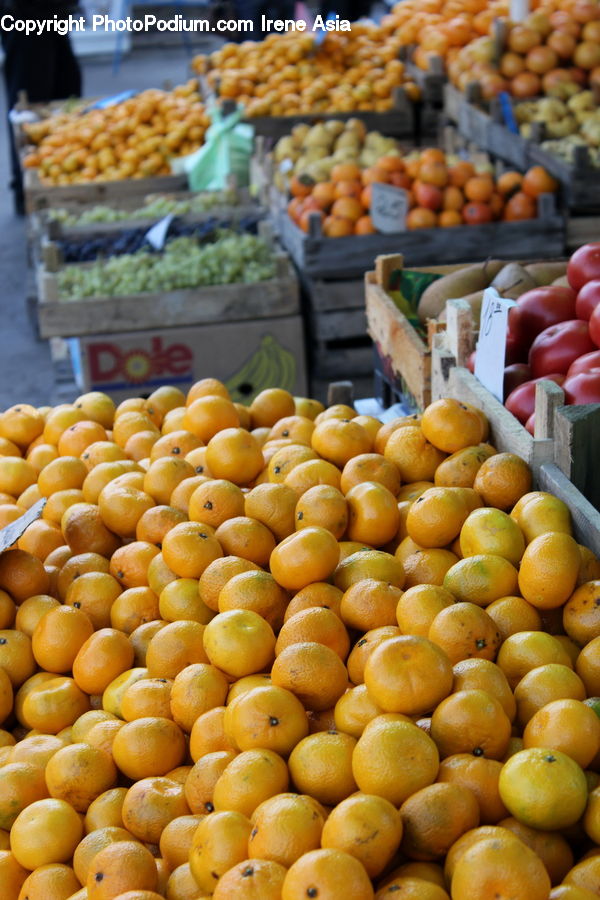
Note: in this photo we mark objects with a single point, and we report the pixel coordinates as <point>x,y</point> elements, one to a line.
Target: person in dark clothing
<point>42,65</point>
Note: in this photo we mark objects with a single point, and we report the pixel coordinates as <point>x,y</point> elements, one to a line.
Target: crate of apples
<point>443,191</point>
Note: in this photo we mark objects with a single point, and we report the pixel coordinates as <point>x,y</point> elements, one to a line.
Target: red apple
<point>588,299</point>
<point>555,348</point>
<point>583,387</point>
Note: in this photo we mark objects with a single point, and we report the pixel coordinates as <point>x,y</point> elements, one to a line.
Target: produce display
<point>185,262</point>
<point>134,138</point>
<point>287,74</point>
<point>283,652</point>
<point>330,170</point>
<point>566,124</point>
<point>154,206</point>
<point>555,51</point>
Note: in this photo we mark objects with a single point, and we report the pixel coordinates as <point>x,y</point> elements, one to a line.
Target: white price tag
<point>491,346</point>
<point>286,165</point>
<point>157,235</point>
<point>389,205</point>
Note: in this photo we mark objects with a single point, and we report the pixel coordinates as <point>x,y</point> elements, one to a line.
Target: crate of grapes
<point>193,280</point>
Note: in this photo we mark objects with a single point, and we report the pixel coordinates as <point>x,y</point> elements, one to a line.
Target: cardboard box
<point>248,356</point>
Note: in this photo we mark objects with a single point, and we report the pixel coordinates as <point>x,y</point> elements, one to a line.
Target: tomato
<point>594,325</point>
<point>477,213</point>
<point>517,347</point>
<point>584,265</point>
<point>521,402</point>
<point>588,299</point>
<point>542,307</point>
<point>530,424</point>
<point>514,375</point>
<point>584,363</point>
<point>583,387</point>
<point>558,346</point>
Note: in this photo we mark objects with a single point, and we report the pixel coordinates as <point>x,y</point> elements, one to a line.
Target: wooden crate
<point>336,326</point>
<point>580,179</point>
<point>278,296</point>
<point>345,257</point>
<point>565,436</point>
<point>430,81</point>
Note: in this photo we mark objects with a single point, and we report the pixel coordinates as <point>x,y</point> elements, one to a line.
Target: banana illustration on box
<point>269,366</point>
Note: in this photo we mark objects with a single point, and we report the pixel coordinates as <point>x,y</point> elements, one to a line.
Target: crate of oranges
<point>514,214</point>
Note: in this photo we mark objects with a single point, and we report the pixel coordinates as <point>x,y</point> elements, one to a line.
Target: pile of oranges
<point>555,51</point>
<point>286,74</point>
<point>441,193</point>
<point>135,138</point>
<point>284,652</point>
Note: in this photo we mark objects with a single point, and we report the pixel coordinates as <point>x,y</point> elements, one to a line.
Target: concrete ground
<point>26,373</point>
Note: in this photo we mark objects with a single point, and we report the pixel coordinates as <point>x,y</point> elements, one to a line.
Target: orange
<point>101,451</point>
<point>148,746</point>
<point>567,725</point>
<point>258,591</point>
<point>164,475</point>
<point>147,697</point>
<point>492,531</point>
<point>58,637</point>
<point>129,563</point>
<point>251,879</point>
<point>132,608</point>
<point>393,758</point>
<point>382,436</point>
<point>308,555</point>
<point>22,575</point>
<point>363,648</point>
<point>370,467</point>
<point>311,472</point>
<point>369,604</point>
<point>325,506</point>
<point>549,570</point>
<point>102,474</point>
<point>412,887</point>
<point>512,614</point>
<point>35,749</point>
<point>581,613</point>
<point>271,405</point>
<point>438,514</point>
<point>373,515</point>
<point>354,710</point>
<point>176,839</point>
<point>76,438</point>
<point>570,892</point>
<point>141,636</point>
<point>319,593</point>
<point>505,867</point>
<point>526,650</point>
<point>313,672</point>
<point>543,788</point>
<point>180,599</point>
<point>451,425</point>
<point>502,480</point>
<point>220,842</point>
<point>215,501</point>
<point>274,505</point>
<point>121,866</point>
<point>41,538</point>
<point>591,819</point>
<point>196,689</point>
<point>246,537</point>
<point>16,656</point>
<point>85,532</point>
<point>424,566</point>
<point>150,804</point>
<point>208,734</point>
<point>155,522</point>
<point>471,721</point>
<point>480,775</point>
<point>338,440</point>
<point>434,817</point>
<point>481,674</point>
<point>60,474</point>
<point>234,454</point>
<point>53,881</point>
<point>586,874</point>
<point>285,827</point>
<point>12,874</point>
<point>331,873</point>
<point>390,675</point>
<point>418,606</point>
<point>200,782</point>
<point>269,717</point>
<point>321,765</point>
<point>177,645</point>
<point>21,424</point>
<point>367,827</point>
<point>189,548</point>
<point>217,574</point>
<point>97,406</point>
<point>282,457</point>
<point>464,630</point>
<point>544,684</point>
<point>205,387</point>
<point>46,831</point>
<point>551,847</point>
<point>538,512</point>
<point>253,776</point>
<point>207,415</point>
<point>54,704</point>
<point>295,427</point>
<point>176,443</point>
<point>416,458</point>
<point>481,579</point>
<point>315,624</point>
<point>588,667</point>
<point>239,642</point>
<point>16,474</point>
<point>369,564</point>
<point>460,468</point>
<point>22,783</point>
<point>79,773</point>
<point>122,506</point>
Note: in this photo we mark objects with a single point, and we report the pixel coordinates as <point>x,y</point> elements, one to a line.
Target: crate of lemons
<point>283,652</point>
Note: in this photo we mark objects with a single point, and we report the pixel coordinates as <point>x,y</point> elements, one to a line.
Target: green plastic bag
<point>225,153</point>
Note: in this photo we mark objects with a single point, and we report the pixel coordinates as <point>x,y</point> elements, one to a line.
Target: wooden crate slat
<point>585,518</point>
<point>330,296</point>
<point>335,325</point>
<point>580,179</point>
<point>346,362</point>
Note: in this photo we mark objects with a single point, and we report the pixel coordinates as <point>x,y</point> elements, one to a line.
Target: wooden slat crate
<point>337,339</point>
<point>565,436</point>
<point>344,257</point>
<point>278,296</point>
<point>431,81</point>
<point>580,179</point>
